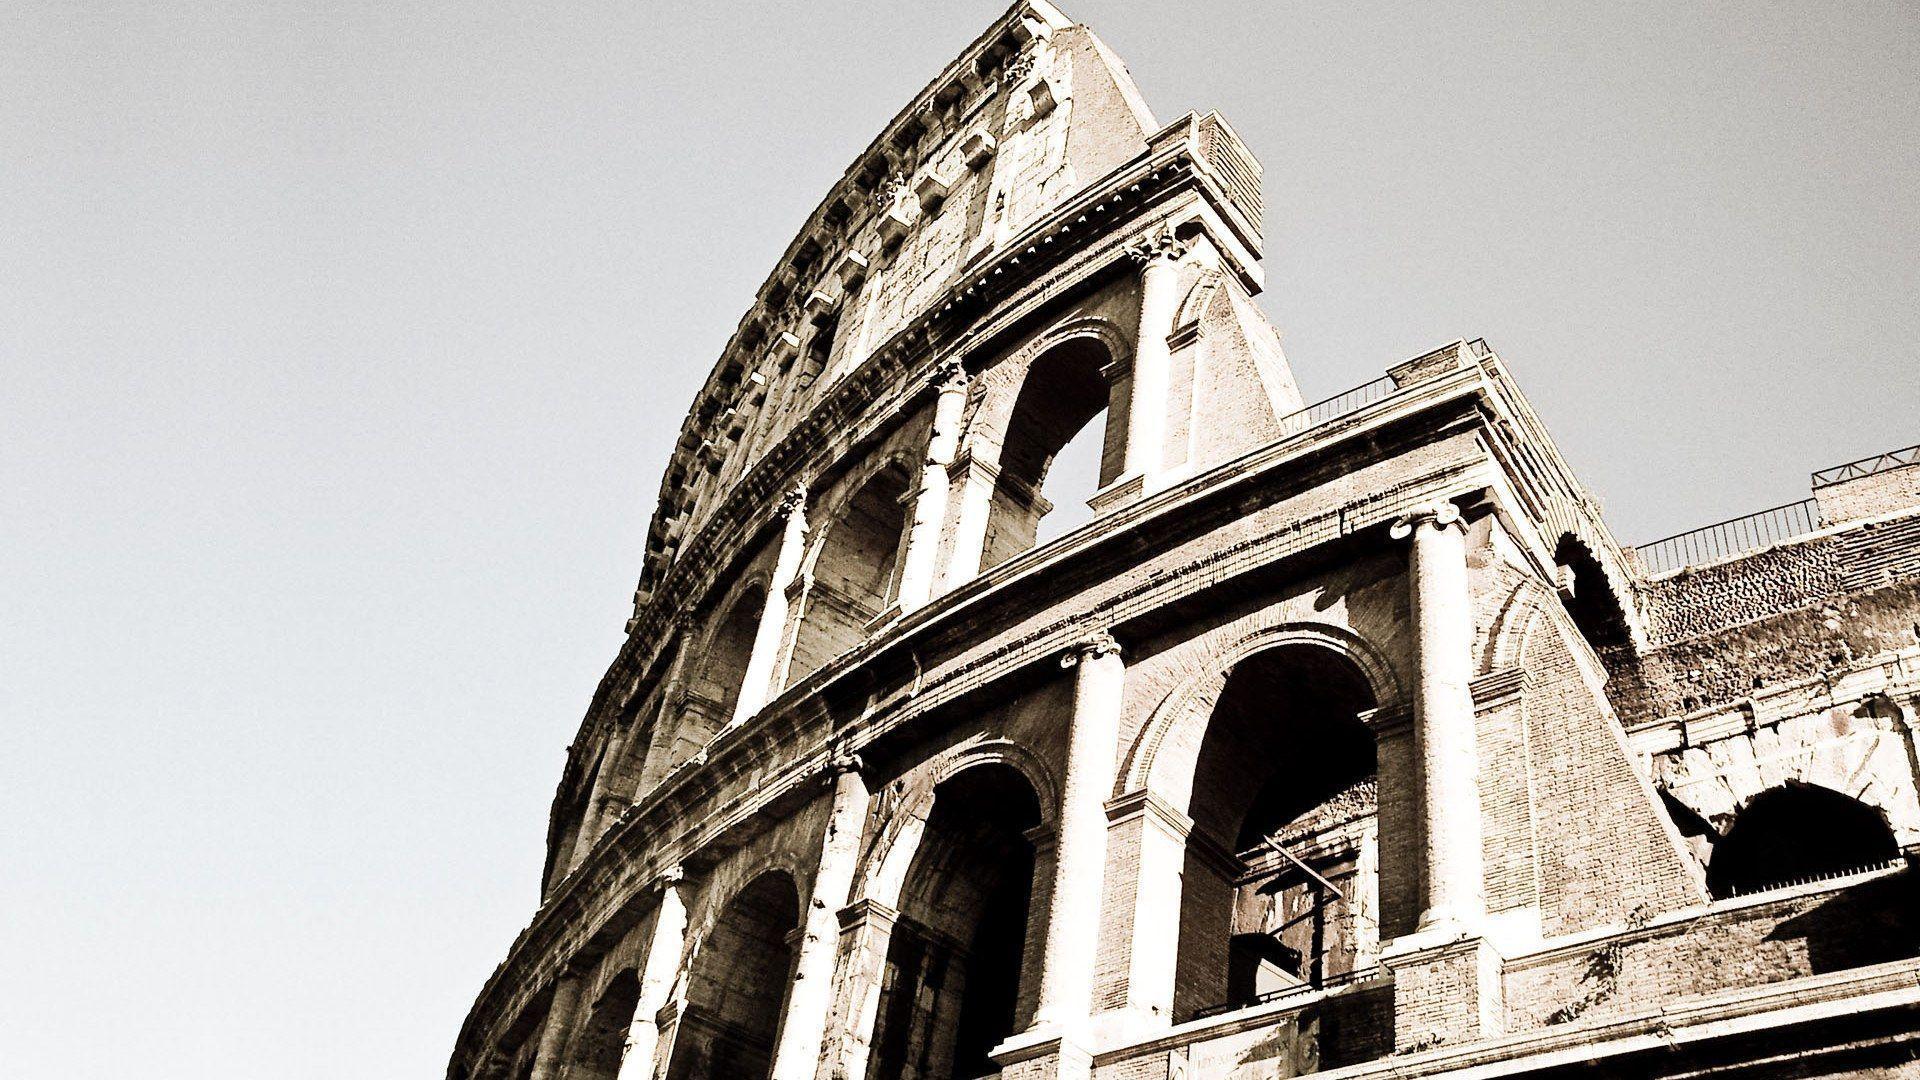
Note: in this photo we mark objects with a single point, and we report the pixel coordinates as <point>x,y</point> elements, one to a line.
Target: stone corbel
<point>821,303</point>
<point>1044,96</point>
<point>931,191</point>
<point>783,348</point>
<point>978,149</point>
<point>851,269</point>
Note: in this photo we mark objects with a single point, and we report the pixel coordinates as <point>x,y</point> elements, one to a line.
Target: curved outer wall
<point>1302,754</point>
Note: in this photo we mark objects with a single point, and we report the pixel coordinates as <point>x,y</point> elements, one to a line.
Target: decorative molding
<point>1498,687</point>
<point>1094,646</point>
<point>1159,245</point>
<point>1440,515</point>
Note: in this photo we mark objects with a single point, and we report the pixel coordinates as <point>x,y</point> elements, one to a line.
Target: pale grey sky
<point>344,345</point>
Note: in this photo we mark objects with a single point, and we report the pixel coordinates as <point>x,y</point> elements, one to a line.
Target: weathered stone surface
<point>1342,738</point>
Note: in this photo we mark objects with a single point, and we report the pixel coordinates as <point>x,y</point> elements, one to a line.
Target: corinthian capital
<point>1440,515</point>
<point>1161,244</point>
<point>1092,647</point>
<point>793,502</point>
<point>949,375</point>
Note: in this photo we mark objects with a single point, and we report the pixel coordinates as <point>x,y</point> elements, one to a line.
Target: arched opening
<point>737,987</point>
<point>714,688</point>
<point>1798,832</point>
<point>602,1038</point>
<point>1281,881</point>
<point>1589,597</point>
<point>1064,395</point>
<point>853,577</point>
<point>952,985</point>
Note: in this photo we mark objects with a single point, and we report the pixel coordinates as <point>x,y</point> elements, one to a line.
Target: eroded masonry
<point>1342,738</point>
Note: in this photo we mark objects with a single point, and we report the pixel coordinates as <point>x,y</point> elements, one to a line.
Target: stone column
<point>1056,1045</point>
<point>757,685</point>
<point>866,931</point>
<point>657,975</point>
<point>798,1055</point>
<point>559,1025</point>
<point>977,480</point>
<point>1159,257</point>
<point>930,505</point>
<point>1148,834</point>
<point>1443,717</point>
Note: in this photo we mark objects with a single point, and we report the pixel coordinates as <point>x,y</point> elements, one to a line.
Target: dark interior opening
<point>1798,832</point>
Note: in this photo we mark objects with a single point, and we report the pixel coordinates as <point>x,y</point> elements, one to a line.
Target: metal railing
<point>1325,983</point>
<point>1338,405</point>
<point>1867,466</point>
<point>1735,536</point>
<point>1814,879</point>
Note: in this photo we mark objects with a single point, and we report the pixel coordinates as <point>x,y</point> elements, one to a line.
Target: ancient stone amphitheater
<point>1335,737</point>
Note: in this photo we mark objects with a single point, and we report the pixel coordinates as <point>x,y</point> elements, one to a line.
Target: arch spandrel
<point>1860,749</point>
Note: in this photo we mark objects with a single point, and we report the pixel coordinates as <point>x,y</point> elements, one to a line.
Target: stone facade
<point>1344,739</point>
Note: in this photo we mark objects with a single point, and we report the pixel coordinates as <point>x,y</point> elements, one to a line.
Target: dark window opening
<point>1280,888</point>
<point>1794,833</point>
<point>737,987</point>
<point>951,991</point>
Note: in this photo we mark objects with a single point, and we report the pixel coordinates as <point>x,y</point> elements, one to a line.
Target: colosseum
<point>1333,737</point>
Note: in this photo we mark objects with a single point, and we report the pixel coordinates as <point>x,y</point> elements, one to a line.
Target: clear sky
<point>343,345</point>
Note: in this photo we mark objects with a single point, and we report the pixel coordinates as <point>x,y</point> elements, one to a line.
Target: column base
<point>1042,1054</point>
<point>1446,988</point>
<point>1127,489</point>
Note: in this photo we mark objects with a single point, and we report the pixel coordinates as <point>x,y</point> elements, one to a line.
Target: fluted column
<point>930,505</point>
<point>1443,718</point>
<point>756,686</point>
<point>1079,865</point>
<point>559,1024</point>
<point>657,974</point>
<point>1159,257</point>
<point>801,1034</point>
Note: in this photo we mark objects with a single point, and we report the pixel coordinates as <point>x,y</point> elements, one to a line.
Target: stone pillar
<point>930,505</point>
<point>657,974</point>
<point>976,479</point>
<point>757,685</point>
<point>1443,717</point>
<point>804,1029</point>
<point>1148,834</point>
<point>1159,257</point>
<point>547,1061</point>
<point>1447,978</point>
<point>1056,1045</point>
<point>866,931</point>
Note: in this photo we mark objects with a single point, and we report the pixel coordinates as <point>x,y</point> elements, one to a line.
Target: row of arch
<point>963,867</point>
<point>1281,886</point>
<point>1045,447</point>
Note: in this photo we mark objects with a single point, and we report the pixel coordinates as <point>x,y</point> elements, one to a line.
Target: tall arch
<point>737,985</point>
<point>854,570</point>
<point>1064,389</point>
<point>715,668</point>
<point>601,1041</point>
<point>1589,596</point>
<point>954,958</point>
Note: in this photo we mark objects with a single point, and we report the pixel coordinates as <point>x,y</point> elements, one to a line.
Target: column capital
<point>843,762</point>
<point>1092,647</point>
<point>1441,515</point>
<point>949,376</point>
<point>794,502</point>
<point>672,877</point>
<point>1159,246</point>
